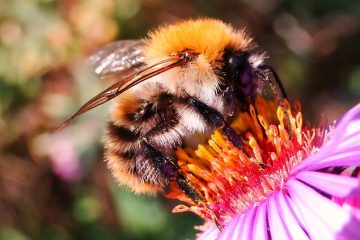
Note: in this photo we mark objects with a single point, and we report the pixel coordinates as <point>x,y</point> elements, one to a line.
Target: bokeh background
<point>57,186</point>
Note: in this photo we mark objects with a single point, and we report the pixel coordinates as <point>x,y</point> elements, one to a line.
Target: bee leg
<point>279,91</point>
<point>163,163</point>
<point>196,197</point>
<point>170,171</point>
<point>280,87</point>
<point>230,101</point>
<point>188,189</point>
<point>214,118</point>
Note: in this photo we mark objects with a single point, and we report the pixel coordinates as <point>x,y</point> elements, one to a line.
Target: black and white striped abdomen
<point>160,120</point>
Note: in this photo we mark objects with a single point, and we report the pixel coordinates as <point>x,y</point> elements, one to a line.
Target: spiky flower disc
<point>286,172</point>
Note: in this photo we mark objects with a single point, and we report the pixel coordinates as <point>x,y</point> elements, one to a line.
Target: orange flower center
<point>231,179</point>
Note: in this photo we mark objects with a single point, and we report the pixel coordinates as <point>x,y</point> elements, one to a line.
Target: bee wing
<point>125,84</point>
<point>121,57</point>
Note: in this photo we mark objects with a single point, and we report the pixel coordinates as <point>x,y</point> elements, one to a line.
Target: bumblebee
<point>180,80</point>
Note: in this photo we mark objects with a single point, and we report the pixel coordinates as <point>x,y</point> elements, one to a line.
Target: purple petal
<point>351,137</point>
<point>260,225</point>
<point>240,227</point>
<point>305,217</point>
<point>291,220</point>
<point>329,217</point>
<point>343,149</point>
<point>277,226</point>
<point>231,228</point>
<point>236,231</point>
<point>347,126</point>
<point>209,234</point>
<point>248,222</point>
<point>351,157</point>
<point>335,185</point>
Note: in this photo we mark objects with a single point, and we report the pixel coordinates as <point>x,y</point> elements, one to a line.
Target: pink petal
<point>343,149</point>
<point>310,222</point>
<point>329,217</point>
<point>351,157</point>
<point>260,225</point>
<point>348,127</point>
<point>240,227</point>
<point>248,222</point>
<point>278,229</point>
<point>351,137</point>
<point>231,228</point>
<point>335,185</point>
<point>209,234</point>
<point>291,220</point>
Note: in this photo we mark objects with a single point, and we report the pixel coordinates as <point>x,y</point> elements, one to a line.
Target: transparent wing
<point>121,57</point>
<point>125,84</point>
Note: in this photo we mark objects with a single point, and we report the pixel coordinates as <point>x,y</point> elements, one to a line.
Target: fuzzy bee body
<point>187,78</point>
<point>156,118</point>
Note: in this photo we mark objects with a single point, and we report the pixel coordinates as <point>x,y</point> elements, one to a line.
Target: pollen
<point>231,179</point>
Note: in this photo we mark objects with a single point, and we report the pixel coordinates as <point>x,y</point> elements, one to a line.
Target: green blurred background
<point>57,186</point>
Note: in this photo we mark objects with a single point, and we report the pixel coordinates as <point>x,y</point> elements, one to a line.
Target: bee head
<point>208,38</point>
<point>240,71</point>
<point>237,67</point>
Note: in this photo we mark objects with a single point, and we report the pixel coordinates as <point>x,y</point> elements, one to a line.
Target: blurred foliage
<point>57,186</point>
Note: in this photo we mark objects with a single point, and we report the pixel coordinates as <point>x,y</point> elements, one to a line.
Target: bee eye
<point>238,71</point>
<point>238,61</point>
